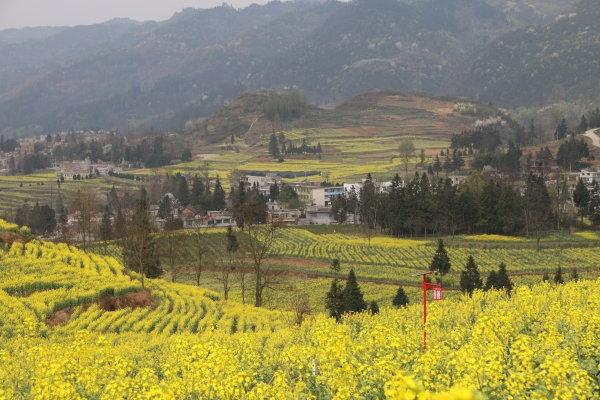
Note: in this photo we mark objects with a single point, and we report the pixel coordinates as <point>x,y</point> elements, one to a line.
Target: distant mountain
<point>137,76</point>
<point>545,64</point>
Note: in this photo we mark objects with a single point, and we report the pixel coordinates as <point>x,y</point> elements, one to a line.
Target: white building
<point>589,175</point>
<point>312,194</point>
<point>318,216</point>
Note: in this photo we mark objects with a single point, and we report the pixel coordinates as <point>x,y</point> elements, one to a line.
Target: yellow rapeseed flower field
<point>542,342</point>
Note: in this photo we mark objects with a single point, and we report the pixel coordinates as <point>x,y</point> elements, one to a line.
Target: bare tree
<point>83,208</point>
<point>260,238</point>
<point>199,252</point>
<point>170,251</point>
<point>301,306</point>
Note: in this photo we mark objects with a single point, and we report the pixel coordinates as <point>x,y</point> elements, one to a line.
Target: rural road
<point>592,134</point>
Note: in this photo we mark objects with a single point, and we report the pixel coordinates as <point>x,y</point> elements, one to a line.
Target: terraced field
<point>42,187</point>
<point>301,259</point>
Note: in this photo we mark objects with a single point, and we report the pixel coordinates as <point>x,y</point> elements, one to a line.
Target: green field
<point>300,260</point>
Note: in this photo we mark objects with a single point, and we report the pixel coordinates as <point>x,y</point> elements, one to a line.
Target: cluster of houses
<point>69,170</point>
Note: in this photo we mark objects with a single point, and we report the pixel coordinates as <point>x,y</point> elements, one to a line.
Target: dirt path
<point>593,135</point>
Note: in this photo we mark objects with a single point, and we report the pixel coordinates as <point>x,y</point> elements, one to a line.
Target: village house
<point>590,175</point>
<point>315,215</point>
<point>277,213</point>
<point>313,194</point>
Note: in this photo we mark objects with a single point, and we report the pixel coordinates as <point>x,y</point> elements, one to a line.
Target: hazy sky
<point>21,13</point>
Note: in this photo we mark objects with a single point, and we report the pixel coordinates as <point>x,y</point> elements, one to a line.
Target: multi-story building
<point>312,194</point>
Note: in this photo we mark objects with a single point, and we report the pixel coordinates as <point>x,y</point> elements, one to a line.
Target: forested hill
<point>135,76</point>
<point>540,65</point>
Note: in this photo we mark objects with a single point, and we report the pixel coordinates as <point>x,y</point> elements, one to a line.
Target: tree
<point>218,197</point>
<point>558,278</point>
<point>199,253</point>
<point>352,295</point>
<point>186,155</point>
<point>574,275</point>
<point>583,125</point>
<point>106,226</point>
<point>373,308</point>
<point>274,146</point>
<point>274,192</point>
<point>165,209</point>
<point>440,261</point>
<point>470,280</point>
<point>537,206</point>
<point>499,280</point>
<point>400,299</point>
<point>334,300</point>
<point>561,130</point>
<point>120,228</point>
<point>260,239</point>
<point>581,198</point>
<point>232,246</point>
<point>139,247</point>
<point>170,251</point>
<point>368,207</point>
<point>83,208</point>
<point>406,149</point>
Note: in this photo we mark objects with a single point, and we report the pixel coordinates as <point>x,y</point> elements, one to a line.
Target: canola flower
<point>542,342</point>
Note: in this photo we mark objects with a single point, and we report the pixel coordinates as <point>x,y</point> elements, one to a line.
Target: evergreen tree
<point>186,155</point>
<point>368,207</point>
<point>491,282</point>
<point>400,299</point>
<point>470,280</point>
<point>373,308</point>
<point>105,225</point>
<point>581,198</point>
<point>558,278</point>
<point>218,197</point>
<point>352,295</point>
<point>545,277</point>
<point>583,125</point>
<point>561,130</point>
<point>274,192</point>
<point>274,146</point>
<point>197,192</point>
<point>574,275</point>
<point>334,300</point>
<point>165,209</point>
<point>502,279</point>
<point>440,261</point>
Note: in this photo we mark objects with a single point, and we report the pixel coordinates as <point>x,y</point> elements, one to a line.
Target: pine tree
<point>491,282</point>
<point>352,295</point>
<point>401,299</point>
<point>470,280</point>
<point>373,308</point>
<point>274,146</point>
<point>334,300</point>
<point>558,278</point>
<point>545,277</point>
<point>561,130</point>
<point>440,261</point>
<point>502,279</point>
<point>581,198</point>
<point>574,275</point>
<point>218,196</point>
<point>583,125</point>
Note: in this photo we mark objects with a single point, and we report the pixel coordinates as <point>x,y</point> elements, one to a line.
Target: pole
<point>424,312</point>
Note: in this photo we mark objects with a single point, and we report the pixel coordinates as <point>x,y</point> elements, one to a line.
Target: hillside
<point>136,76</point>
<point>357,137</point>
<point>188,344</point>
<point>541,65</point>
